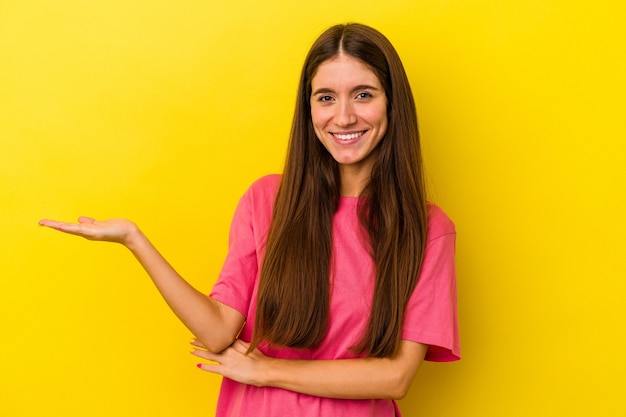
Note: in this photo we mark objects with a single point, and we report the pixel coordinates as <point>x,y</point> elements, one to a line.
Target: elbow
<point>216,345</point>
<point>218,337</point>
<point>213,346</point>
<point>400,391</point>
<point>403,369</point>
<point>400,385</point>
<point>216,341</point>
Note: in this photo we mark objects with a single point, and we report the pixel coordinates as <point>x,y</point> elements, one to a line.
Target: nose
<point>345,114</point>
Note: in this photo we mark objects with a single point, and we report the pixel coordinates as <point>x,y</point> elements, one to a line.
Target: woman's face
<point>348,111</point>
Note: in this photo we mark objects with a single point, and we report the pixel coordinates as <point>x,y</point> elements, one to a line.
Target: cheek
<point>384,119</point>
<point>375,112</point>
<point>378,117</point>
<point>316,129</point>
<point>319,118</point>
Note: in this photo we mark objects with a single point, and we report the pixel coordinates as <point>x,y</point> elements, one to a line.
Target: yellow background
<point>165,111</point>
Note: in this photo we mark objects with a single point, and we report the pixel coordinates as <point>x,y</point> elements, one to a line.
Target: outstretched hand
<point>114,230</point>
<point>234,362</point>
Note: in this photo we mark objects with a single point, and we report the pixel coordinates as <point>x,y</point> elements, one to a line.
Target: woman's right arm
<point>215,324</point>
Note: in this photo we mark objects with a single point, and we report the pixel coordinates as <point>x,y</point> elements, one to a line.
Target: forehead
<point>344,70</point>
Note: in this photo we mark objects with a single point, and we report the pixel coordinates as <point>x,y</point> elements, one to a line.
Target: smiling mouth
<point>348,136</point>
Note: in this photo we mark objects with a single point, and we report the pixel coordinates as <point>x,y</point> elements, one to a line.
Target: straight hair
<point>294,288</point>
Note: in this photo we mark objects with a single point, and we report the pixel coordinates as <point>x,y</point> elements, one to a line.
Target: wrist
<point>133,238</point>
<point>260,372</point>
<point>268,375</point>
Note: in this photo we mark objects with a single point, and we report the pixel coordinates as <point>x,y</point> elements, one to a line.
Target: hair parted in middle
<point>294,287</point>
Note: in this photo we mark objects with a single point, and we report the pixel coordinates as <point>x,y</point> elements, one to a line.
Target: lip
<point>348,138</point>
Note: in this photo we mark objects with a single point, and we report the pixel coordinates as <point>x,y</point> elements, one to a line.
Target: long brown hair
<point>294,287</point>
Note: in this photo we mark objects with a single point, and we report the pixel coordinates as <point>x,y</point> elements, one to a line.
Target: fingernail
<point>199,365</point>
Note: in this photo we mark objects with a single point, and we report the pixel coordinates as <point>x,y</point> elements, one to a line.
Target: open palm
<point>113,230</point>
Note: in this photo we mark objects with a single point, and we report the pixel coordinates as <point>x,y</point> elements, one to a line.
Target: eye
<point>364,95</point>
<point>324,99</point>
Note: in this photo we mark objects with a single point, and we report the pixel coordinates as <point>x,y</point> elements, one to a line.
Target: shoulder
<point>270,181</point>
<point>439,224</point>
<point>266,184</point>
<point>262,192</point>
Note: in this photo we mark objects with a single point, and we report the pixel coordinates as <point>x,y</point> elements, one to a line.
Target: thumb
<point>85,219</point>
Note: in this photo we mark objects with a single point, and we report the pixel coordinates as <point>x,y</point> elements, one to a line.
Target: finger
<point>85,219</point>
<point>197,343</point>
<point>77,229</point>
<point>50,223</point>
<point>212,368</point>
<point>62,226</point>
<point>205,354</point>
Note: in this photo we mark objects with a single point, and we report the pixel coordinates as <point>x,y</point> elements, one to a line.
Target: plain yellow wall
<point>165,111</point>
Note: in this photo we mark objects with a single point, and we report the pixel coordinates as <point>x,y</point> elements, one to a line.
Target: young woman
<point>340,277</point>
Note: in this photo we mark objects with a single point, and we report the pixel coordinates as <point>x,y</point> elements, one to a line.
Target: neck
<point>353,181</point>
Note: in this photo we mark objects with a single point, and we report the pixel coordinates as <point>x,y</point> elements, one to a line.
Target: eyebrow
<point>325,90</point>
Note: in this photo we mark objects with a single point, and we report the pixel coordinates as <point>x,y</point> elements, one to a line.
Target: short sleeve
<point>431,316</point>
<point>248,231</point>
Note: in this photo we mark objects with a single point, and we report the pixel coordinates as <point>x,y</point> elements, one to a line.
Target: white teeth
<point>347,137</point>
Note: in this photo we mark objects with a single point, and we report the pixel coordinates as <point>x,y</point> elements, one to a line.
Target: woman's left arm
<point>360,378</point>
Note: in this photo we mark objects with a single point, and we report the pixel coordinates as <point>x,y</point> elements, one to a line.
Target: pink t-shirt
<point>431,316</point>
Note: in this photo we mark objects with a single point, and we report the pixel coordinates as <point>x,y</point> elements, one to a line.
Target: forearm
<point>362,378</point>
<point>206,318</point>
<point>349,378</point>
<point>213,323</point>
